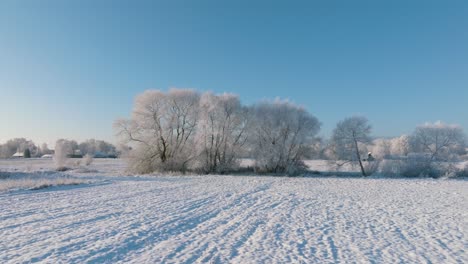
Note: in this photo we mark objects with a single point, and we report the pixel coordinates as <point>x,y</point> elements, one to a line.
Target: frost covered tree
<point>162,129</point>
<point>349,138</point>
<point>221,132</point>
<point>68,147</point>
<point>88,147</point>
<point>93,147</point>
<point>381,148</point>
<point>400,146</point>
<point>62,150</point>
<point>392,148</point>
<point>438,141</point>
<point>281,135</point>
<point>18,145</point>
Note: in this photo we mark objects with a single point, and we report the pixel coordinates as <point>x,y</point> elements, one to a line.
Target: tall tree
<point>162,128</point>
<point>222,132</point>
<point>348,137</point>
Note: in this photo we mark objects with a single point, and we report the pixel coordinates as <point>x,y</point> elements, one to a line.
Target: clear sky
<point>68,69</point>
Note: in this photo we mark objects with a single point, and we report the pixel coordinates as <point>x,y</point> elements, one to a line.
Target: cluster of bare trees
<point>182,130</point>
<point>439,141</point>
<point>90,147</point>
<point>22,145</point>
<point>433,147</point>
<point>87,150</point>
<point>425,152</point>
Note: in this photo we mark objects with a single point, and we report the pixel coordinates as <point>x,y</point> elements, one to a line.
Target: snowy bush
<point>380,148</point>
<point>450,170</point>
<point>400,146</point>
<point>390,167</point>
<point>141,160</point>
<point>88,159</point>
<point>415,166</point>
<point>281,135</point>
<point>62,149</point>
<point>463,172</point>
<point>371,167</point>
<point>37,182</point>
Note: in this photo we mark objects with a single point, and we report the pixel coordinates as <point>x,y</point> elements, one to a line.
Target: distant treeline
<point>28,148</point>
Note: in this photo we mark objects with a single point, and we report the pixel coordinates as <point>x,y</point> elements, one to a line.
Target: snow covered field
<point>232,219</point>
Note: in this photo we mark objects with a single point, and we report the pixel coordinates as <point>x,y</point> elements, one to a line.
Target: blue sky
<point>68,69</point>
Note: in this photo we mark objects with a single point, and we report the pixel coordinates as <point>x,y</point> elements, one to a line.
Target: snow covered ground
<point>232,219</point>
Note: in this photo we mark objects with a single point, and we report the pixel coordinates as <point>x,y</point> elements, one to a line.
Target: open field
<point>231,219</point>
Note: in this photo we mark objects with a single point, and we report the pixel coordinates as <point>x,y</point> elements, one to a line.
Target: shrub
<point>413,167</point>
<point>60,156</point>
<point>463,172</point>
<point>371,167</point>
<point>88,159</point>
<point>418,167</point>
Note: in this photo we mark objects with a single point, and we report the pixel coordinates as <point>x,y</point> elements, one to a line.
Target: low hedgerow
<point>36,182</point>
<point>413,167</point>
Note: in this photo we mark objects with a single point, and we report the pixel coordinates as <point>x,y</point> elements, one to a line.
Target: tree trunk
<point>363,171</point>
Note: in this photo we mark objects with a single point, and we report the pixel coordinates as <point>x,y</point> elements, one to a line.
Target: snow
<point>232,219</point>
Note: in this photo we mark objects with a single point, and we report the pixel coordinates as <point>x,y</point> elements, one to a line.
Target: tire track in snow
<point>242,204</point>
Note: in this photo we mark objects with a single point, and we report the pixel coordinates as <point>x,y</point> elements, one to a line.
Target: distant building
<point>18,155</point>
